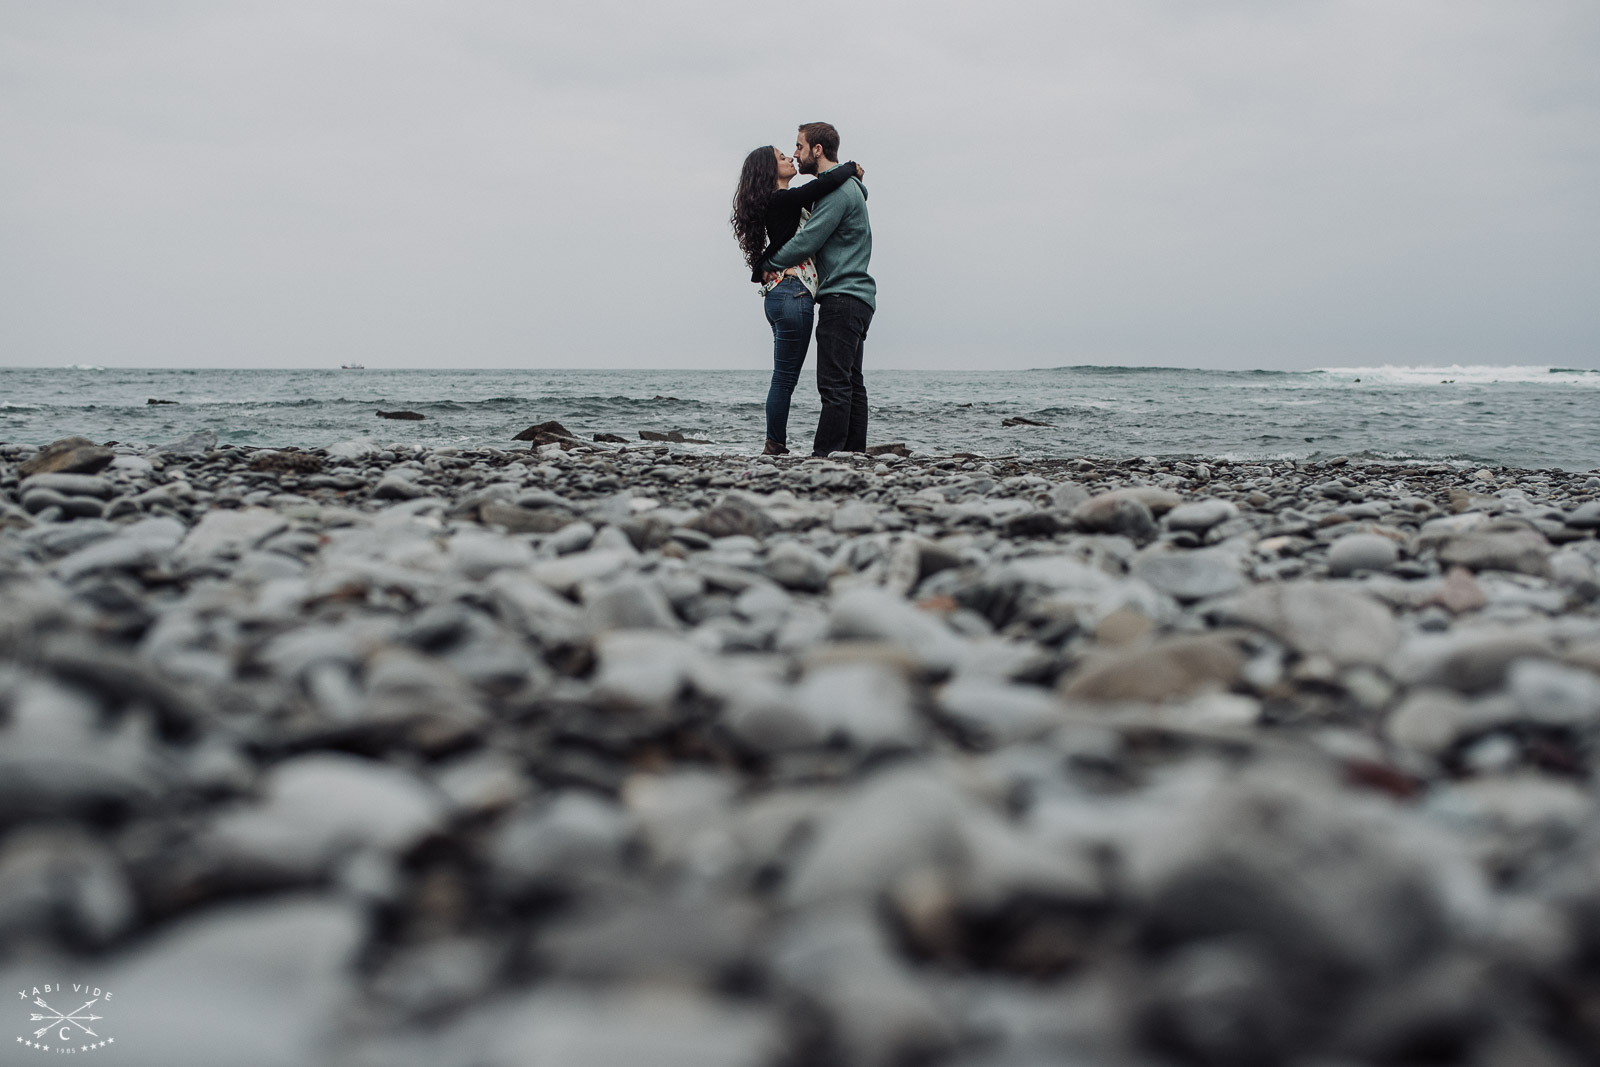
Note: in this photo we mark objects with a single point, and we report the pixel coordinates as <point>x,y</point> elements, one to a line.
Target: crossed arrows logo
<point>56,1018</point>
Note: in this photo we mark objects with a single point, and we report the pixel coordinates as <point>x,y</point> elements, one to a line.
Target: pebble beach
<point>596,753</point>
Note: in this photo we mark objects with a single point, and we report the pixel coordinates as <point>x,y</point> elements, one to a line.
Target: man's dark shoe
<point>773,448</point>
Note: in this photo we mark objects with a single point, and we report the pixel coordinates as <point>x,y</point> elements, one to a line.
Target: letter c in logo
<point>64,1033</point>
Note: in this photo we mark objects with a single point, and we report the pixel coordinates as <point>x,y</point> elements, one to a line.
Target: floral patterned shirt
<point>806,271</point>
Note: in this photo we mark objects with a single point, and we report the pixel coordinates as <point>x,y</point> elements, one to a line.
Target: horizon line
<point>1551,367</point>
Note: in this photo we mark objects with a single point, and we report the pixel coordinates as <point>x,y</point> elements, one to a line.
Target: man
<point>839,235</point>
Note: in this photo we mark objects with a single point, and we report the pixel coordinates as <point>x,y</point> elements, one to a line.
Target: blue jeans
<point>790,310</point>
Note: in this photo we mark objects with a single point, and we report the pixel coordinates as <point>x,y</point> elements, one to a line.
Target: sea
<point>1520,416</point>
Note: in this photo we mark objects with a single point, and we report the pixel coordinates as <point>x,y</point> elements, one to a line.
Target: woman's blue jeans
<point>790,310</point>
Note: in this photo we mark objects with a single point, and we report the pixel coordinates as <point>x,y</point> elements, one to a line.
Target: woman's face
<point>785,165</point>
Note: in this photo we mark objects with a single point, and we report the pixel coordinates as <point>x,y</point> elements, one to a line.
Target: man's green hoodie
<point>839,235</point>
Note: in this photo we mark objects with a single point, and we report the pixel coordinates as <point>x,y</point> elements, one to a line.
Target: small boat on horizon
<point>351,366</point>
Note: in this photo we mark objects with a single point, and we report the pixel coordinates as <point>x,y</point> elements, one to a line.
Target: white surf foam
<point>1460,374</point>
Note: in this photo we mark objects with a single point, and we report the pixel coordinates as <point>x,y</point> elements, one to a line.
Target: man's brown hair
<point>822,135</point>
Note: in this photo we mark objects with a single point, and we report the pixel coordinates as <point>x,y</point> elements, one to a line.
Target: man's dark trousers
<point>842,323</point>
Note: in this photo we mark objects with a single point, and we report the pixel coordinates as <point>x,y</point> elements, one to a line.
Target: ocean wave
<point>1111,411</point>
<point>1407,457</point>
<point>1077,411</point>
<point>1108,371</point>
<point>1105,371</point>
<point>1461,374</point>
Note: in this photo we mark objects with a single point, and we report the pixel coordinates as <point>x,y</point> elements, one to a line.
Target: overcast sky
<point>421,183</point>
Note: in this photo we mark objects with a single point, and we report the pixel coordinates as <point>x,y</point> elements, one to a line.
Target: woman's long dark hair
<point>758,180</point>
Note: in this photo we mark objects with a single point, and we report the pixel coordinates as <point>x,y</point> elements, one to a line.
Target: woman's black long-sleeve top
<point>783,210</point>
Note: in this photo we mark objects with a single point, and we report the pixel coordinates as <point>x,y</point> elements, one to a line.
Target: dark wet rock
<point>673,436</point>
<point>543,433</point>
<point>153,401</point>
<point>409,416</point>
<point>1020,420</point>
<point>1034,523</point>
<point>70,455</point>
<point>896,448</point>
<point>611,438</point>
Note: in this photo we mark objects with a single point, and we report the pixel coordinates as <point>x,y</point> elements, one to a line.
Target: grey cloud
<point>411,184</point>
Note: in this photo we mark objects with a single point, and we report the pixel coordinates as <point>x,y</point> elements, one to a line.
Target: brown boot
<point>773,448</point>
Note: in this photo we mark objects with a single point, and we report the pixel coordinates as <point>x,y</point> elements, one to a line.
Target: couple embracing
<point>809,248</point>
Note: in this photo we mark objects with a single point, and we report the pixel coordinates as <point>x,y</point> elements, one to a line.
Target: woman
<point>766,213</point>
